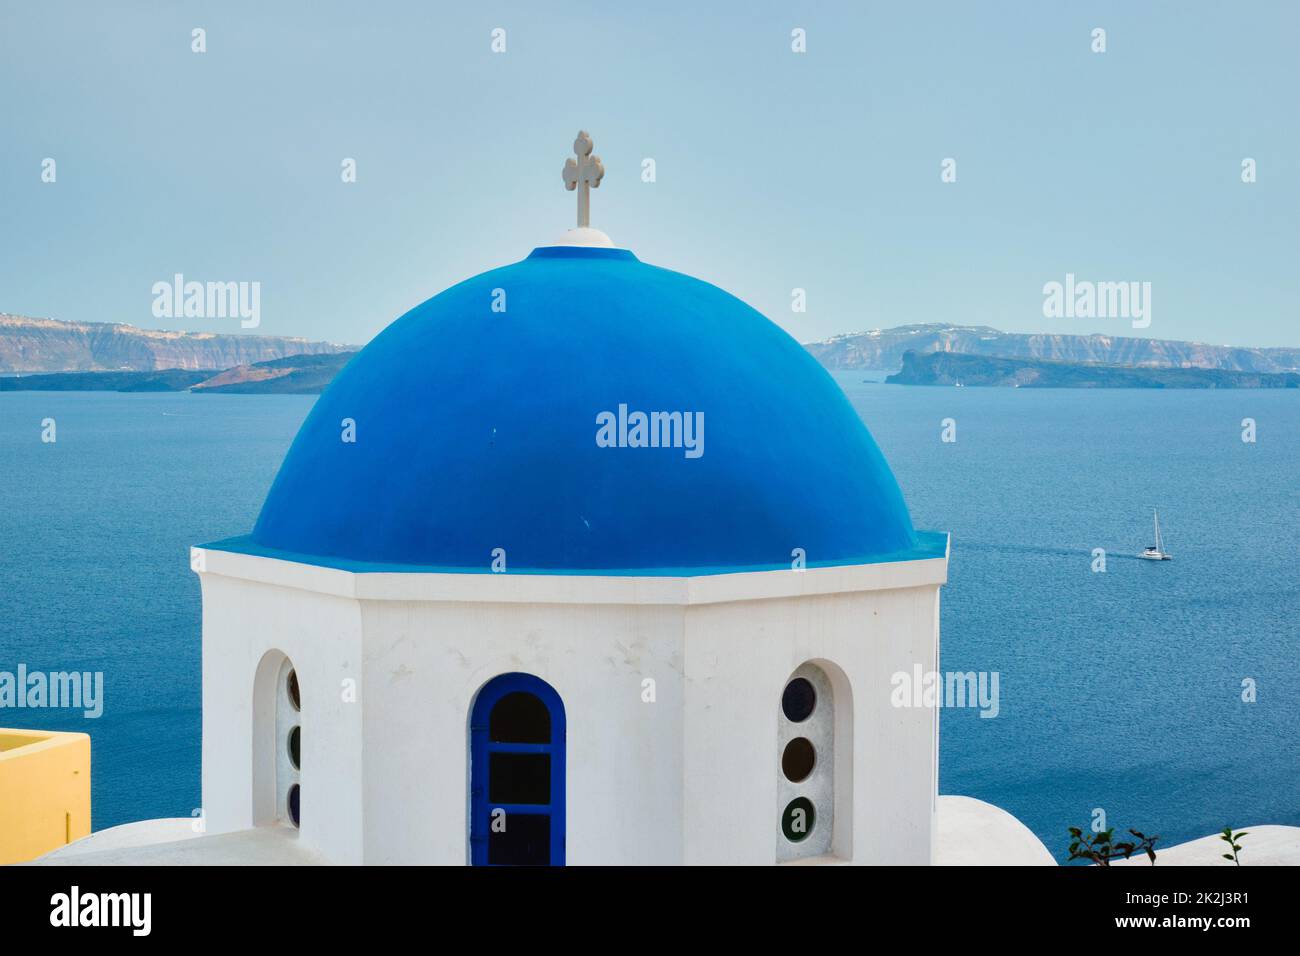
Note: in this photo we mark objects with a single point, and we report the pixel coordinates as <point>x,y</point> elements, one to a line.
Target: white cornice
<point>569,588</point>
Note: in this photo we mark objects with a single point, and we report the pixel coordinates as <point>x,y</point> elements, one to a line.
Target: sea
<point>1162,695</point>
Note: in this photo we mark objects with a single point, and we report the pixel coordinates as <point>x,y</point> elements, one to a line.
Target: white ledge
<point>570,588</point>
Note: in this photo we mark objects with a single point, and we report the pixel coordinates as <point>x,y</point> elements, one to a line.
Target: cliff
<point>882,349</point>
<point>948,368</point>
<point>49,345</point>
<point>101,356</point>
<point>166,380</point>
<point>295,375</point>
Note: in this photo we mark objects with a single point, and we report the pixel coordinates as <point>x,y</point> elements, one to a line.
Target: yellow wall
<point>44,792</point>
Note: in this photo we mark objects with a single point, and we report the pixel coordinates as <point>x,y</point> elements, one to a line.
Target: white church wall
<point>426,661</point>
<point>321,635</point>
<point>739,657</point>
<point>689,778</point>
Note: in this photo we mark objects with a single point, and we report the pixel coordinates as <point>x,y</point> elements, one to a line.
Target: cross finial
<point>583,174</point>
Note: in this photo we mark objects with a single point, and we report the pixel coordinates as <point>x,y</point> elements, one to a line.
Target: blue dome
<point>479,429</point>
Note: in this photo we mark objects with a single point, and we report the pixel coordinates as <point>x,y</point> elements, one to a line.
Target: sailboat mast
<point>1159,544</point>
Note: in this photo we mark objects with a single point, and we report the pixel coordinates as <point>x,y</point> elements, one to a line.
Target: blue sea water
<point>1120,691</point>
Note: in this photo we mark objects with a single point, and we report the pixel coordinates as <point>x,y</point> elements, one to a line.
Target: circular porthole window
<point>799,700</point>
<point>295,748</point>
<point>797,820</point>
<point>796,762</point>
<point>293,804</point>
<point>291,685</point>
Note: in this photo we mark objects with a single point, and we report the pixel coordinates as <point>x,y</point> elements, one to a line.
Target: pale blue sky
<point>775,170</point>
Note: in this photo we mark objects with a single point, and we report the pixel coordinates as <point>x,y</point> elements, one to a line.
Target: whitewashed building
<point>580,561</point>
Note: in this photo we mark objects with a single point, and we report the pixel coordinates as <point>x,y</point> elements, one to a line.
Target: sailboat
<point>1156,552</point>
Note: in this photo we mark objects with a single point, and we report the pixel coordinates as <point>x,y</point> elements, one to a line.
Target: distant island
<point>950,368</point>
<point>883,349</point>
<point>50,355</point>
<point>49,345</point>
<point>295,375</point>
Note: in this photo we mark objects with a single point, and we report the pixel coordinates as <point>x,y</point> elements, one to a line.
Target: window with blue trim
<point>517,773</point>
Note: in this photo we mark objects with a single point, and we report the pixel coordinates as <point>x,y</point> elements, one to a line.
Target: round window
<point>797,820</point>
<point>796,762</point>
<point>293,804</point>
<point>291,685</point>
<point>295,746</point>
<point>799,700</point>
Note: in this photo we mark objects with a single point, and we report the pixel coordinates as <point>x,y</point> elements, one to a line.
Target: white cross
<point>583,174</point>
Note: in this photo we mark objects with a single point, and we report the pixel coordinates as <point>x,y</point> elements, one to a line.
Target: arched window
<point>517,774</point>
<point>288,745</point>
<point>806,749</point>
<point>277,742</point>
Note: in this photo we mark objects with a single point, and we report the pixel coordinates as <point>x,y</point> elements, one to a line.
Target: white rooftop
<point>970,832</point>
<point>174,842</point>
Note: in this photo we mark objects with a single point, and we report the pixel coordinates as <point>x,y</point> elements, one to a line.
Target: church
<point>504,603</point>
<point>479,621</point>
<point>580,561</point>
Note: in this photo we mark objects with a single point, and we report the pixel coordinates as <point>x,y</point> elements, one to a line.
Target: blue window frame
<point>516,765</point>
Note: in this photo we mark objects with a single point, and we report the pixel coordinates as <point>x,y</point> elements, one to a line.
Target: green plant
<point>1102,847</point>
<point>1231,839</point>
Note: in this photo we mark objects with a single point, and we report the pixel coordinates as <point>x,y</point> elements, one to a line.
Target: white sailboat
<point>1156,552</point>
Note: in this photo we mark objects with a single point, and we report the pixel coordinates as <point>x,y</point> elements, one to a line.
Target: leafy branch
<point>1231,839</point>
<point>1102,847</point>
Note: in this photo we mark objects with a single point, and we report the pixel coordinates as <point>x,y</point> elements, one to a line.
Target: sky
<point>775,170</point>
